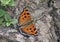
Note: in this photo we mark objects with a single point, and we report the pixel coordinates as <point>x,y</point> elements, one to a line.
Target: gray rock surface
<point>46,20</point>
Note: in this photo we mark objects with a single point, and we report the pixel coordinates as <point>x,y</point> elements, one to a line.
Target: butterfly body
<point>27,26</point>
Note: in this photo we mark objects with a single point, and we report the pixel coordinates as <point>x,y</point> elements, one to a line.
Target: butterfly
<point>27,27</point>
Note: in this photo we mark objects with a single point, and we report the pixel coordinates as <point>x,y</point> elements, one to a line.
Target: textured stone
<point>43,21</point>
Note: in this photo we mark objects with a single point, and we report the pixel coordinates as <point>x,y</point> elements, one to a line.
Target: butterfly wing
<point>24,18</point>
<point>30,29</point>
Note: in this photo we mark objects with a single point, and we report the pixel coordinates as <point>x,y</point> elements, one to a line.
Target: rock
<point>45,18</point>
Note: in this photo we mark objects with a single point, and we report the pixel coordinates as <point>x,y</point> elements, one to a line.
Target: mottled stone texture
<point>46,16</point>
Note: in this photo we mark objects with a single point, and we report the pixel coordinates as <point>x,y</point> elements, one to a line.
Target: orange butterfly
<point>27,26</point>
